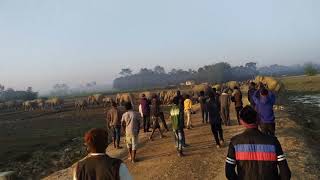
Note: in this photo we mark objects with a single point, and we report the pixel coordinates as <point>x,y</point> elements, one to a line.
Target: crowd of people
<point>256,153</point>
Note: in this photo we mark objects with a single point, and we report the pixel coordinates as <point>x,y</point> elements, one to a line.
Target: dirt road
<point>158,159</point>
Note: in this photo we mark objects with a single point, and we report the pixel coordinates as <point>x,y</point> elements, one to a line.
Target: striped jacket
<point>257,157</point>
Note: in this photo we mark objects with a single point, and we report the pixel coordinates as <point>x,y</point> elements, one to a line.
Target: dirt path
<point>158,159</point>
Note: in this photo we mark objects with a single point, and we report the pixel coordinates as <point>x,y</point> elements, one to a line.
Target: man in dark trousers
<point>237,99</point>
<point>114,122</point>
<point>156,110</point>
<point>98,165</point>
<point>204,112</point>
<point>257,156</point>
<point>145,108</point>
<point>264,100</point>
<point>215,119</point>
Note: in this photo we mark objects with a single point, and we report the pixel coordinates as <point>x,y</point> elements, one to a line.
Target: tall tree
<point>126,72</point>
<point>159,69</point>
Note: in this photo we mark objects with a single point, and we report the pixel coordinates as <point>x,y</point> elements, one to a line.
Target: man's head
<point>214,90</point>
<point>175,101</point>
<point>201,93</point>
<point>264,92</point>
<point>128,106</point>
<point>178,93</point>
<point>248,115</point>
<point>252,84</point>
<point>96,140</point>
<point>143,95</point>
<point>211,95</point>
<point>113,104</point>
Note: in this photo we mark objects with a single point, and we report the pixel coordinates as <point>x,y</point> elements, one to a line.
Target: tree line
<point>10,94</point>
<point>214,73</point>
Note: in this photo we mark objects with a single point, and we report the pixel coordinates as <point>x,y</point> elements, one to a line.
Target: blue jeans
<point>116,135</point>
<point>178,139</point>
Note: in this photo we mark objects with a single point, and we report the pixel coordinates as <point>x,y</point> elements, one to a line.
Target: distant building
<point>190,83</point>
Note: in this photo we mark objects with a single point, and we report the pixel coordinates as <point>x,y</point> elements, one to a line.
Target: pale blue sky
<point>43,42</point>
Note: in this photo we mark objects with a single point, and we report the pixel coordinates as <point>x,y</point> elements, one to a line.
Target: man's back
<point>237,98</point>
<point>214,111</point>
<point>225,100</point>
<point>98,167</point>
<point>132,122</point>
<point>114,117</point>
<point>256,156</point>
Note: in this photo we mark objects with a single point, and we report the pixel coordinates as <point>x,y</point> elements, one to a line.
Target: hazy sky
<point>43,42</point>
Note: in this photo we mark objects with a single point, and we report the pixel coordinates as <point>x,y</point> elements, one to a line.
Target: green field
<point>302,83</point>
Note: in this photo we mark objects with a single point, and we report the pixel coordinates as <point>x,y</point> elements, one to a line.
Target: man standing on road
<point>264,104</point>
<point>177,126</point>
<point>203,107</point>
<point>145,112</point>
<point>98,165</point>
<point>237,99</point>
<point>225,101</point>
<point>215,119</point>
<point>114,122</point>
<point>156,110</point>
<point>180,100</point>
<point>256,155</point>
<point>131,123</point>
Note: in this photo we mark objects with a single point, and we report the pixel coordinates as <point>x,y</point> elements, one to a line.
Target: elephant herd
<point>165,96</point>
<point>30,105</point>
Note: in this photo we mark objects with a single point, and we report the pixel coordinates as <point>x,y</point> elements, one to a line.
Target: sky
<point>43,42</point>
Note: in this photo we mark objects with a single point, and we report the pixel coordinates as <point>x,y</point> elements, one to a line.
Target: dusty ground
<point>158,158</point>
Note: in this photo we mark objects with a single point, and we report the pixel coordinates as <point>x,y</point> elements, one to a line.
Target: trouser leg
<point>163,121</point>
<point>144,123</point>
<point>215,134</point>
<point>118,133</point>
<point>203,115</point>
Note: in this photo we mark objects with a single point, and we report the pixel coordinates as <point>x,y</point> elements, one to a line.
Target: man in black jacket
<point>256,155</point>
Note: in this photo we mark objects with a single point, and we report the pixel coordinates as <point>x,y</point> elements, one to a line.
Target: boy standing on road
<point>256,155</point>
<point>177,127</point>
<point>131,123</point>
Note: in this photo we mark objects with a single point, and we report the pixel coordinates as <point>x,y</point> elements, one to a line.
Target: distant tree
<point>126,72</point>
<point>173,71</point>
<point>1,88</point>
<point>159,69</point>
<point>310,70</point>
<point>145,71</point>
<point>60,90</point>
<point>251,65</point>
<point>29,89</point>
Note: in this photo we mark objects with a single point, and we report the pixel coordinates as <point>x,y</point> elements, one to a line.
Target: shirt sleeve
<point>124,172</point>
<point>272,97</point>
<point>285,173</point>
<point>255,98</point>
<point>231,163</point>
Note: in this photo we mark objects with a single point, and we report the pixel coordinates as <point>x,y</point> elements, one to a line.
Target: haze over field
<point>75,41</point>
